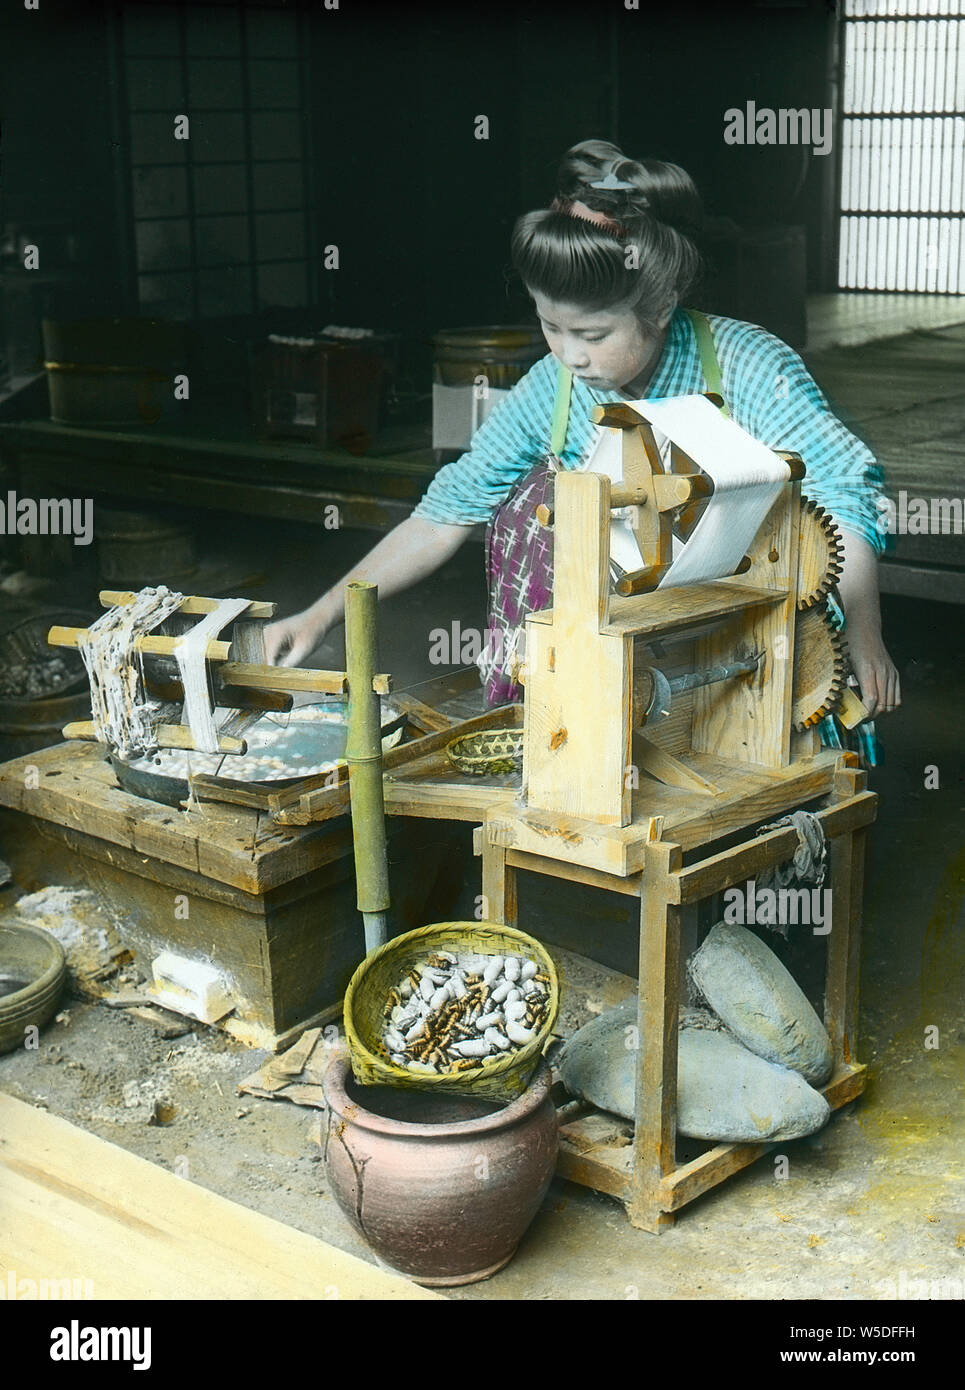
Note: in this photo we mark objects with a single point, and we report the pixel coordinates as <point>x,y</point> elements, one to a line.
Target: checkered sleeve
<point>775,399</point>
<point>504,449</point>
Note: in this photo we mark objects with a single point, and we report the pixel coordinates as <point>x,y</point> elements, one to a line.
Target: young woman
<point>608,266</point>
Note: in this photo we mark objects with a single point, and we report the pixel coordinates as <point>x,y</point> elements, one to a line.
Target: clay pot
<point>441,1187</point>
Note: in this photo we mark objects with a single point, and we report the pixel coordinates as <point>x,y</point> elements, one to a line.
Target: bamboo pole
<point>363,753</point>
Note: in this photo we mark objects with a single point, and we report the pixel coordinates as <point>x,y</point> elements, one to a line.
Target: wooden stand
<point>645,1175</point>
<point>663,815</point>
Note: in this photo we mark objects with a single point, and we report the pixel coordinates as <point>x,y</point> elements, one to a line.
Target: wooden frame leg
<point>498,886</point>
<point>655,1133</point>
<point>844,945</point>
<point>844,941</point>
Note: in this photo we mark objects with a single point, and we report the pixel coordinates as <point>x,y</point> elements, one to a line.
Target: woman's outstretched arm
<point>411,551</point>
<point>858,591</point>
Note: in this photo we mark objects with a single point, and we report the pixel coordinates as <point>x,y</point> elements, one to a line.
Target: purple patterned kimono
<point>519,571</point>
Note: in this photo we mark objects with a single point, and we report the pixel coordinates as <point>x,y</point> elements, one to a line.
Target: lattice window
<point>903,146</point>
<point>220,222</point>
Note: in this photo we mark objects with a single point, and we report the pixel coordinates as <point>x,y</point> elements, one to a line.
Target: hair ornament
<point>574,208</point>
<point>612,182</point>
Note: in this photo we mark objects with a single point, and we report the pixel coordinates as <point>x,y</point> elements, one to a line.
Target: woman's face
<point>609,349</point>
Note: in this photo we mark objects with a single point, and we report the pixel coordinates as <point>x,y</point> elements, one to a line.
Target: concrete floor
<point>879,1192</point>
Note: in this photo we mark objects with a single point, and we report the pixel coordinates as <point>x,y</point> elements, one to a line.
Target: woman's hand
<point>876,672</point>
<point>289,641</point>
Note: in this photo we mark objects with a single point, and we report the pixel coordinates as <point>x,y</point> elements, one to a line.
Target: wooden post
<point>655,1135</point>
<point>844,942</point>
<point>498,885</point>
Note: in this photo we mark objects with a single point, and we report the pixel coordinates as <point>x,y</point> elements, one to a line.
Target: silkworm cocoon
<point>529,970</point>
<point>532,990</point>
<point>405,989</point>
<point>493,970</point>
<point>500,992</point>
<point>511,969</point>
<point>439,997</point>
<point>421,1066</point>
<point>399,1058</point>
<point>427,988</point>
<point>514,1009</point>
<point>457,986</point>
<point>394,1040</point>
<point>517,1034</point>
<point>472,1047</point>
<point>416,1031</point>
<point>498,1039</point>
<point>438,977</point>
<point>490,1020</point>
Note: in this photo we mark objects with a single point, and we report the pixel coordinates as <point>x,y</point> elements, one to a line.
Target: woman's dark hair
<point>573,260</point>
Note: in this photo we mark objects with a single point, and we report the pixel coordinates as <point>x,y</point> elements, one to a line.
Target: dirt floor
<point>875,1198</point>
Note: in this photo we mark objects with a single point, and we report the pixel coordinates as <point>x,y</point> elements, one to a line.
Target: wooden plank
<point>686,606</point>
<point>692,1179</point>
<point>922,581</point>
<point>748,797</point>
<point>75,1205</point>
<point>193,605</point>
<point>500,900</point>
<point>719,871</point>
<point>655,1130</point>
<point>595,1170</point>
<point>167,735</point>
<point>575,873</point>
<point>576,752</point>
<point>749,719</point>
<point>422,715</point>
<point>844,944</point>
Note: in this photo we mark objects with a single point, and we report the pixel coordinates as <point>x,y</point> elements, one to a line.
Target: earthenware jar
<point>441,1187</point>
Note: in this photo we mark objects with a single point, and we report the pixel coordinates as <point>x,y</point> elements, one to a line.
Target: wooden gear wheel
<point>820,667</point>
<point>820,557</point>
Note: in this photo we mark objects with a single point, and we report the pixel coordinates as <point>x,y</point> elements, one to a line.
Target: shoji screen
<point>903,146</point>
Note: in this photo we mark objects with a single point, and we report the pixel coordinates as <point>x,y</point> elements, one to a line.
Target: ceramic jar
<point>441,1187</point>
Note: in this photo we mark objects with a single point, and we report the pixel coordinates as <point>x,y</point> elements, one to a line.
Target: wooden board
<point>577,748</point>
<point>76,788</point>
<point>687,606</point>
<point>750,719</point>
<point>748,796</point>
<point>75,1206</point>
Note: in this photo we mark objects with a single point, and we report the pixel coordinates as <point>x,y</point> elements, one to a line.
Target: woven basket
<point>502,1078</point>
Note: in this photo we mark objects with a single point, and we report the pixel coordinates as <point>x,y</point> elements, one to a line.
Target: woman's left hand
<point>876,672</point>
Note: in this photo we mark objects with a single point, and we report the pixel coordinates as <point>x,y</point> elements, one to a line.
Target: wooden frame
<point>645,1175</point>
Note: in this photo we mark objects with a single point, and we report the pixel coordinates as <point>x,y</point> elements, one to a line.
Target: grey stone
<point>724,1092</point>
<point>760,1002</point>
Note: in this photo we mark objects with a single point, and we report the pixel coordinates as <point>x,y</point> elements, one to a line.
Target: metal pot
<point>442,1188</point>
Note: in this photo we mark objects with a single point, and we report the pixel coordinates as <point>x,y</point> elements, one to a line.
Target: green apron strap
<point>708,355</point>
<point>561,410</point>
